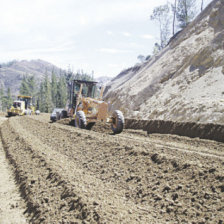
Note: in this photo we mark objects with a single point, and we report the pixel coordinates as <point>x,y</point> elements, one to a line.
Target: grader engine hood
<point>94,109</point>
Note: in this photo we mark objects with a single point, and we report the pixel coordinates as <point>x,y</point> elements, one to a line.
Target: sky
<point>103,36</point>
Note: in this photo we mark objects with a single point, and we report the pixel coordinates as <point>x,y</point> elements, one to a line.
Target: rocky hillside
<point>184,82</point>
<point>12,73</point>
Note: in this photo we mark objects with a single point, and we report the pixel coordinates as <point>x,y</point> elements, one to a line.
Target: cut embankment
<point>189,129</point>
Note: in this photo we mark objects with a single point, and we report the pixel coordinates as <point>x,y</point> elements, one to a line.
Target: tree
<point>41,97</point>
<point>47,101</point>
<point>5,100</point>
<point>61,92</point>
<point>174,9</point>
<point>69,75</point>
<point>186,12</point>
<point>141,58</point>
<point>162,16</point>
<point>53,88</point>
<point>28,86</point>
<point>4,103</point>
<point>202,4</point>
<point>31,85</point>
<point>1,97</point>
<point>9,98</point>
<point>148,58</point>
<point>156,49</point>
<point>24,87</point>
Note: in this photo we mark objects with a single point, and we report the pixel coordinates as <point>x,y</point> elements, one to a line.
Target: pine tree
<point>9,98</point>
<point>31,85</point>
<point>28,86</point>
<point>61,92</point>
<point>24,87</point>
<point>41,97</point>
<point>4,100</point>
<point>47,95</point>
<point>1,97</point>
<point>54,88</point>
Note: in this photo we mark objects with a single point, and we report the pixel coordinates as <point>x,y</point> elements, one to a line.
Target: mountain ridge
<point>11,73</point>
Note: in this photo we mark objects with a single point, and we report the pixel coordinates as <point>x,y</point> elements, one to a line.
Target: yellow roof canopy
<point>25,97</point>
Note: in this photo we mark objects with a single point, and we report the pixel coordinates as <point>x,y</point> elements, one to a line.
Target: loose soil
<point>70,175</point>
<point>12,205</point>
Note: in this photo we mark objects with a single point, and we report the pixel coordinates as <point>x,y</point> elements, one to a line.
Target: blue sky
<point>104,36</point>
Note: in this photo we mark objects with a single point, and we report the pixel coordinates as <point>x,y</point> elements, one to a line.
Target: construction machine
<point>22,106</point>
<point>86,107</point>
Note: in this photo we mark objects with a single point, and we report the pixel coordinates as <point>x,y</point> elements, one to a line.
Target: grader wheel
<point>117,122</point>
<point>80,120</point>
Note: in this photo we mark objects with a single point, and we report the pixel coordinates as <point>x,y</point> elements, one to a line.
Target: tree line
<point>173,17</point>
<point>5,99</point>
<point>47,94</point>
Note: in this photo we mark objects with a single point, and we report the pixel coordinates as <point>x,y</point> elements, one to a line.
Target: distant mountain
<point>11,73</point>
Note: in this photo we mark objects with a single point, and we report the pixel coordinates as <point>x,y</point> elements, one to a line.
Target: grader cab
<point>86,107</point>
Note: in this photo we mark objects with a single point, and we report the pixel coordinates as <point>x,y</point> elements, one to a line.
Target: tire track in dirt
<point>11,204</point>
<point>83,185</point>
<point>202,151</point>
<point>180,143</point>
<point>171,185</point>
<point>49,198</point>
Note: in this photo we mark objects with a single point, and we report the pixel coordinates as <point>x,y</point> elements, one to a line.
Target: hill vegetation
<point>49,90</point>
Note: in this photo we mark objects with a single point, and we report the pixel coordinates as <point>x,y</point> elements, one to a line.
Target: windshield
<point>88,89</point>
<point>16,104</point>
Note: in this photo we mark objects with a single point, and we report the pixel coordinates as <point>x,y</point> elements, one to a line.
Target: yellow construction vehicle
<point>86,107</point>
<point>22,106</point>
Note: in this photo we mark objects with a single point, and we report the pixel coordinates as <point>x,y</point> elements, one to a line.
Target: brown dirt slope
<point>190,129</point>
<point>70,175</point>
<point>184,81</point>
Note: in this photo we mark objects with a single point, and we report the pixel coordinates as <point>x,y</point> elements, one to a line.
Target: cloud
<point>62,31</point>
<point>126,34</point>
<point>109,32</point>
<point>113,51</point>
<point>147,36</point>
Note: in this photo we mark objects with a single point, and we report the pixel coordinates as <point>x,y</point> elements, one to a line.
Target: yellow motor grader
<point>21,106</point>
<point>86,107</point>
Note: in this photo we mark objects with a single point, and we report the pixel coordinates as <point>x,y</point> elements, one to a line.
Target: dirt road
<point>67,174</point>
<point>12,205</point>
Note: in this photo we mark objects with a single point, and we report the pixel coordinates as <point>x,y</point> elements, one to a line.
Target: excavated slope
<point>184,82</point>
